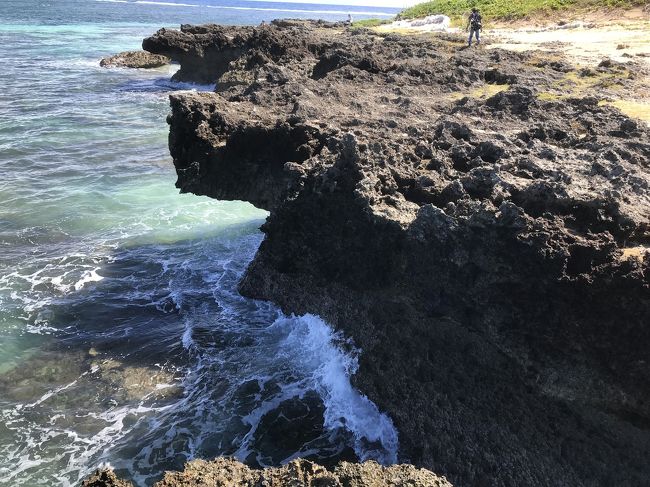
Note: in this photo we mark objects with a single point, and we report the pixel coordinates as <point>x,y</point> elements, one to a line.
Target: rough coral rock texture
<point>104,478</point>
<point>135,59</point>
<point>229,473</point>
<point>225,472</point>
<point>489,254</point>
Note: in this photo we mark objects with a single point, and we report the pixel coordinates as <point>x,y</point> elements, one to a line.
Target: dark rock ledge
<point>488,254</point>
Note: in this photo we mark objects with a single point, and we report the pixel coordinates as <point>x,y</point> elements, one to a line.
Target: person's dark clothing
<point>475,21</point>
<point>475,27</point>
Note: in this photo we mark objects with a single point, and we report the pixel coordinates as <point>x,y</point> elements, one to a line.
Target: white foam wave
<point>344,405</point>
<point>186,338</point>
<point>304,11</point>
<point>162,86</point>
<point>181,85</point>
<point>40,329</point>
<point>86,277</point>
<point>261,9</point>
<point>301,354</point>
<point>64,277</point>
<point>312,347</point>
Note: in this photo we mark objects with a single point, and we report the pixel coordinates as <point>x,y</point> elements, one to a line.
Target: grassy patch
<point>574,84</point>
<point>548,96</point>
<point>508,9</point>
<point>484,91</point>
<point>634,109</point>
<point>366,23</point>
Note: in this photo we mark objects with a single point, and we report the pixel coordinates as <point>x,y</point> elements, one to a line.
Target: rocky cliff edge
<point>486,247</point>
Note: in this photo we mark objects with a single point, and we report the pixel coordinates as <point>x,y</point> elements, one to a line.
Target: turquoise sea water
<point>122,337</point>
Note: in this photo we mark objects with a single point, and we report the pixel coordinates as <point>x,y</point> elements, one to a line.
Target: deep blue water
<point>122,337</point>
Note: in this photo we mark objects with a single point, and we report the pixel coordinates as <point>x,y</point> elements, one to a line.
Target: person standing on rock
<point>474,26</point>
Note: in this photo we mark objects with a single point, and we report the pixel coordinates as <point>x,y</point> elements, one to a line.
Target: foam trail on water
<point>259,9</point>
<point>303,11</point>
<point>163,85</point>
<point>330,369</point>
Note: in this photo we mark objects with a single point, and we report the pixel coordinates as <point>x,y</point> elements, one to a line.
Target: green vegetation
<point>370,22</point>
<point>508,9</point>
<point>635,109</point>
<point>497,9</point>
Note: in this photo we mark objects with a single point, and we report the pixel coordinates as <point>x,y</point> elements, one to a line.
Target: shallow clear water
<point>122,337</point>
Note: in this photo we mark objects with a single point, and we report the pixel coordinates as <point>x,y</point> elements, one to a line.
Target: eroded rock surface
<point>488,254</point>
<point>135,59</point>
<point>225,472</point>
<point>105,478</point>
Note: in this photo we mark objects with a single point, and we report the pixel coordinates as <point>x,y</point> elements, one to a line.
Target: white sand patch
<point>431,23</point>
<point>584,43</point>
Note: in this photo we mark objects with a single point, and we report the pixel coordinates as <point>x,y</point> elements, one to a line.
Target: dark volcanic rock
<point>488,255</point>
<point>205,51</point>
<point>135,59</point>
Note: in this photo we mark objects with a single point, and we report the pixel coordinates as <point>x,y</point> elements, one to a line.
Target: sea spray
<point>312,345</point>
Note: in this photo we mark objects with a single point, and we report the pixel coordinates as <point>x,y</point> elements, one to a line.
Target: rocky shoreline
<point>488,251</point>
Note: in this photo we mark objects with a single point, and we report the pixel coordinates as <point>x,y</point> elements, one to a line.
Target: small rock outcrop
<point>488,251</point>
<point>225,472</point>
<point>104,478</point>
<point>206,51</point>
<point>135,59</point>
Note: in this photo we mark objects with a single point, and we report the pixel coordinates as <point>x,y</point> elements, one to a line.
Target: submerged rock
<point>135,59</point>
<point>225,472</point>
<point>81,378</point>
<point>475,249</point>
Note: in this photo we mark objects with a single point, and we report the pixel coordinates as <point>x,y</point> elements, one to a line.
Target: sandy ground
<point>618,35</point>
<point>583,42</point>
<point>587,43</point>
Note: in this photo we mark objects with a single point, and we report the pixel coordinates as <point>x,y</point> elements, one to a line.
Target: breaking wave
<point>259,9</point>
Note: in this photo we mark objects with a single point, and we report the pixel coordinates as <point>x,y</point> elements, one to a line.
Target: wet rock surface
<point>489,254</point>
<point>135,59</point>
<point>225,472</point>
